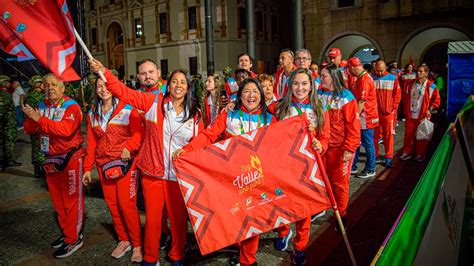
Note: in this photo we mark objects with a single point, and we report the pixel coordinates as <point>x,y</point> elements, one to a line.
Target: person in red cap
<point>335,57</point>
<point>364,92</point>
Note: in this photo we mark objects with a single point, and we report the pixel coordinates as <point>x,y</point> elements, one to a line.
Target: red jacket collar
<point>296,101</point>
<point>256,112</point>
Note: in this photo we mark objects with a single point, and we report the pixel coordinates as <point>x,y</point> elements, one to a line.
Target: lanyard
<point>328,106</point>
<point>298,109</point>
<point>242,131</point>
<point>281,84</point>
<point>60,103</point>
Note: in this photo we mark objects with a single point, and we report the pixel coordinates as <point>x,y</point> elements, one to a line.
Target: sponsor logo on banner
<point>235,208</point>
<point>251,176</point>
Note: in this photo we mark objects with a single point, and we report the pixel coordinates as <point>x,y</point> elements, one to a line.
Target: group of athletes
<point>135,135</point>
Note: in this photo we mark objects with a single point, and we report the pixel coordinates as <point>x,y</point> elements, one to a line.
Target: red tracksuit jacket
<point>61,123</point>
<point>124,130</point>
<point>150,158</point>
<point>364,89</point>
<point>344,120</point>
<point>280,89</point>
<point>388,93</point>
<point>431,98</point>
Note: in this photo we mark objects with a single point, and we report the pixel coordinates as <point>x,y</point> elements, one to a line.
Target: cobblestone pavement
<point>27,222</point>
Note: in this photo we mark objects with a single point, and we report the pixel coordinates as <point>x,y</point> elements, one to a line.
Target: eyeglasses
<point>303,58</point>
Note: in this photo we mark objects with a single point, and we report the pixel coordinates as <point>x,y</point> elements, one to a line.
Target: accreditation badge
<point>44,144</point>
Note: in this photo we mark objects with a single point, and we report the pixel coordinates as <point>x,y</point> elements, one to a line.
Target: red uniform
<point>280,87</point>
<point>159,186</point>
<point>418,98</point>
<point>345,136</point>
<point>124,129</point>
<point>388,99</point>
<point>59,131</point>
<point>364,90</point>
<point>228,124</point>
<point>323,135</point>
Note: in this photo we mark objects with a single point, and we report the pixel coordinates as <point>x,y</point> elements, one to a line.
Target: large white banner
<point>441,242</point>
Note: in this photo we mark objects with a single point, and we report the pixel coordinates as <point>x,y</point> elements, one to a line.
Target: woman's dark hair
<point>283,108</point>
<point>337,80</point>
<point>263,105</point>
<point>98,102</point>
<point>190,103</point>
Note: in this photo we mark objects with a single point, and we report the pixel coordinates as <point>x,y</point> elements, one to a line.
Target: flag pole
<point>331,196</point>
<point>88,53</point>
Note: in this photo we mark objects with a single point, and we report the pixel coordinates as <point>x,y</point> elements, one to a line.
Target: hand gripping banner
<point>251,184</point>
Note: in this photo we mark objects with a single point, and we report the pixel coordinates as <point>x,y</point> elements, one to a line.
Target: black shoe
<point>234,260</point>
<point>58,242</point>
<point>165,240</point>
<point>67,249</point>
<point>380,160</point>
<point>366,174</point>
<point>14,163</point>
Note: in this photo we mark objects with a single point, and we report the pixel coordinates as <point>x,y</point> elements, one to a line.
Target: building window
<point>193,65</point>
<point>92,4</point>
<point>243,18</point>
<point>259,18</point>
<point>164,68</point>
<point>192,19</point>
<point>274,26</point>
<point>93,36</point>
<point>163,24</point>
<point>345,3</point>
<point>138,28</point>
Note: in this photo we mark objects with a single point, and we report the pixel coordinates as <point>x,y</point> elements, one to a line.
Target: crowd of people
<point>135,132</point>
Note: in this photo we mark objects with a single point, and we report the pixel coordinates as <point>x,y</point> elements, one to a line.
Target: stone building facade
<point>172,32</point>
<point>396,29</point>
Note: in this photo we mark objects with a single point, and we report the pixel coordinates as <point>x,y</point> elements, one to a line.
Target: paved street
<point>27,222</point>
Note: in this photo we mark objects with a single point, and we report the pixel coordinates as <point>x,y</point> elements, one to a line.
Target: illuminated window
<point>138,28</point>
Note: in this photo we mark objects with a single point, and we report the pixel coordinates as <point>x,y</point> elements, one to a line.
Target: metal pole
<point>298,24</point>
<point>209,37</point>
<point>250,28</point>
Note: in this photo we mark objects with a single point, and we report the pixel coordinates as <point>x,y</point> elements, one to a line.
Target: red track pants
<point>410,138</point>
<point>248,249</point>
<point>121,198</point>
<point>302,233</point>
<point>385,129</point>
<point>159,193</point>
<point>338,173</point>
<point>67,195</point>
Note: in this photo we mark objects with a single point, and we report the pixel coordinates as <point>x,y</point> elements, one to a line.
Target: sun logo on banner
<point>250,177</point>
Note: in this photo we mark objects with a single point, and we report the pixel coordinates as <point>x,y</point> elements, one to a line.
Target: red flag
<point>251,184</point>
<point>41,29</point>
<point>411,62</point>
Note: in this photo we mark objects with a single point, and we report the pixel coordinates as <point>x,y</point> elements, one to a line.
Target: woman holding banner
<point>57,122</point>
<point>171,121</point>
<point>345,133</point>
<point>114,136</point>
<point>250,112</point>
<point>302,97</point>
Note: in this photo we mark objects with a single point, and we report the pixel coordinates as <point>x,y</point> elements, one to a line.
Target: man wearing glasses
<point>303,60</point>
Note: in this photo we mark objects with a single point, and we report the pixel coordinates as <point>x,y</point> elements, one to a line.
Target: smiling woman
<point>250,113</point>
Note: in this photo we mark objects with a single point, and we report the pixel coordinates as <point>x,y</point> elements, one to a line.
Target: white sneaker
<point>405,156</point>
<point>420,158</point>
<point>122,248</point>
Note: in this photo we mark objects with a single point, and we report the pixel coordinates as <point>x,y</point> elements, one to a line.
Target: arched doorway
<point>436,57</point>
<point>354,44</point>
<point>115,49</point>
<point>430,45</point>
